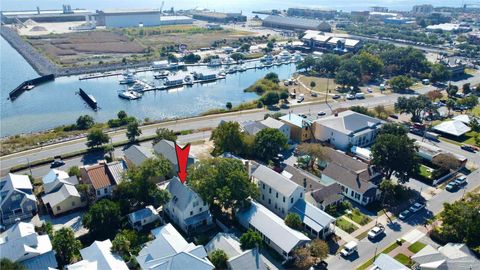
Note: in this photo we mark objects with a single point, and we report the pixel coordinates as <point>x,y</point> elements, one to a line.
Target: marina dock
<point>27,85</point>
<point>89,99</point>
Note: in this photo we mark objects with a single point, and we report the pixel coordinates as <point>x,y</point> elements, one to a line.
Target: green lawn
<point>468,138</point>
<point>346,225</point>
<point>403,259</point>
<point>416,247</point>
<point>426,171</point>
<point>387,250</point>
<point>359,218</point>
<point>476,111</point>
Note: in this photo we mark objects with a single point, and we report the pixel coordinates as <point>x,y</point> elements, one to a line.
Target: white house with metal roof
<point>170,251</point>
<point>237,258</point>
<point>17,200</point>
<point>186,208</point>
<point>98,256</point>
<point>143,217</point>
<point>346,129</point>
<point>55,178</point>
<point>272,228</point>
<point>22,244</point>
<point>277,124</point>
<point>314,221</point>
<point>385,262</point>
<point>277,192</point>
<point>454,128</point>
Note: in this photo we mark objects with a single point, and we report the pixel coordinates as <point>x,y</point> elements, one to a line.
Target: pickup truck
<point>349,249</point>
<point>376,231</point>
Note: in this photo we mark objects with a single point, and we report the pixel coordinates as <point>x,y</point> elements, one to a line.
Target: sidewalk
<point>344,235</point>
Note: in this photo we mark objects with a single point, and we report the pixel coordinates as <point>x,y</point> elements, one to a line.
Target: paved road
<point>6,162</point>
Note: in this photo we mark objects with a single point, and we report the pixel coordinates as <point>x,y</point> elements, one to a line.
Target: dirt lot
<point>133,44</point>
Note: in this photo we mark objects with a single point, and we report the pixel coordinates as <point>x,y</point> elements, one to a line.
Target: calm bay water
<point>56,103</point>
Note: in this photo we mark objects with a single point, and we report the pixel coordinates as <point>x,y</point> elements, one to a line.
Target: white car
<point>350,96</point>
<point>349,248</point>
<point>376,231</point>
<point>416,207</point>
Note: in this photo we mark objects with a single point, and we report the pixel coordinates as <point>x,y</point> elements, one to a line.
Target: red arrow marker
<point>182,159</point>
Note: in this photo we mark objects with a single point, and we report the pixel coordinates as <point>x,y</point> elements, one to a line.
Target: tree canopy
<point>96,138</point>
<point>6,264</point>
<point>103,219</point>
<point>268,143</point>
<point>85,122</point>
<point>439,73</point>
<point>250,239</point>
<point>400,83</point>
<point>395,154</point>
<point>66,246</point>
<point>222,181</point>
<point>414,105</point>
<point>133,131</point>
<point>164,134</point>
<point>227,138</point>
<point>293,221</point>
<point>218,258</point>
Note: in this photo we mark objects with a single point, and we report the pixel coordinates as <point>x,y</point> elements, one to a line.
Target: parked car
<point>460,181</point>
<point>350,96</point>
<point>468,148</point>
<point>303,115</point>
<point>416,207</point>
<point>376,231</point>
<point>57,162</point>
<point>336,97</point>
<point>403,215</point>
<point>359,95</point>
<point>349,248</point>
<point>452,186</point>
<point>321,113</point>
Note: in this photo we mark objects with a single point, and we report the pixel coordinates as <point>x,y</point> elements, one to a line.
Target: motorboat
<point>137,87</point>
<point>128,78</point>
<point>129,94</point>
<point>188,80</point>
<point>161,74</point>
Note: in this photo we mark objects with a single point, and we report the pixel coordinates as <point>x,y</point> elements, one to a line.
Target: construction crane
<point>161,6</point>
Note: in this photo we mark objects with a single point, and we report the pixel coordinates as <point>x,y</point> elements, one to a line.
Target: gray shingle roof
<point>300,177</point>
<point>252,127</point>
<point>327,194</point>
<point>275,180</point>
<point>249,260</point>
<point>349,122</point>
<point>137,154</point>
<point>182,194</point>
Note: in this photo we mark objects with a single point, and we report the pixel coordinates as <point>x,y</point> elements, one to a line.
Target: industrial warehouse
<point>134,18</point>
<point>218,17</point>
<point>292,23</point>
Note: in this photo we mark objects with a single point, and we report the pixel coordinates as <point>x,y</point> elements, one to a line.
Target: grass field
<point>416,247</point>
<point>320,84</point>
<point>426,171</point>
<point>403,259</point>
<point>468,138</point>
<point>359,218</point>
<point>346,225</point>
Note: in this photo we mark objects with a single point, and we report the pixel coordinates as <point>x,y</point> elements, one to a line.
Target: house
<point>451,256</point>
<point>326,196</point>
<point>300,128</point>
<point>64,199</point>
<point>276,124</point>
<point>315,222</point>
<point>54,178</point>
<point>186,208</point>
<point>17,198</point>
<point>135,155</point>
<point>170,251</point>
<point>302,178</point>
<point>98,256</point>
<point>346,129</point>
<point>277,192</point>
<point>385,262</point>
<point>358,180</point>
<point>272,228</point>
<point>167,149</point>
<point>251,127</point>
<point>143,217</point>
<point>453,128</point>
<point>237,258</point>
<point>22,244</point>
<point>103,177</point>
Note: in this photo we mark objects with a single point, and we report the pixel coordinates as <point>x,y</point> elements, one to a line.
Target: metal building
<point>135,18</point>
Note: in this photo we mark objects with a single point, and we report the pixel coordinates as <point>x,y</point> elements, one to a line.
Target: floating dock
<point>15,93</point>
<point>89,99</point>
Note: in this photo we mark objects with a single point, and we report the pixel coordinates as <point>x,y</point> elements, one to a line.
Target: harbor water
<point>57,103</point>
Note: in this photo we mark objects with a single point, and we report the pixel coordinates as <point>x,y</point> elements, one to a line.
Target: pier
<point>15,93</point>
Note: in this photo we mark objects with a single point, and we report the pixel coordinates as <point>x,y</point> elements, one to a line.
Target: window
<point>270,190</point>
<point>291,200</point>
<point>98,193</point>
<point>16,197</point>
<point>200,210</point>
<point>352,193</point>
<point>73,203</point>
<point>263,186</point>
<point>204,204</point>
<point>301,194</point>
<point>276,195</point>
<point>357,196</point>
<point>29,208</point>
<point>263,197</point>
<point>275,206</point>
<point>283,198</point>
<point>105,190</point>
<point>195,203</point>
<point>191,213</point>
<point>269,201</point>
<point>58,208</point>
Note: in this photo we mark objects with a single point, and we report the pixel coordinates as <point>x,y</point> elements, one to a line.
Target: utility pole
<point>29,167</point>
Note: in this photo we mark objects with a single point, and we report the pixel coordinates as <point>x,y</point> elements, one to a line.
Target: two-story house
<point>167,149</point>
<point>186,208</point>
<point>346,129</point>
<point>103,177</point>
<point>277,124</point>
<point>61,195</point>
<point>17,200</point>
<point>301,129</point>
<point>277,192</point>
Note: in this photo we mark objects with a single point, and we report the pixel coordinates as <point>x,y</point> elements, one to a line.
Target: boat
<point>29,87</point>
<point>242,68</point>
<point>188,80</point>
<point>129,94</point>
<point>222,73</point>
<point>137,87</point>
<point>261,66</point>
<point>162,74</point>
<point>284,55</point>
<point>205,77</point>
<point>128,78</point>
